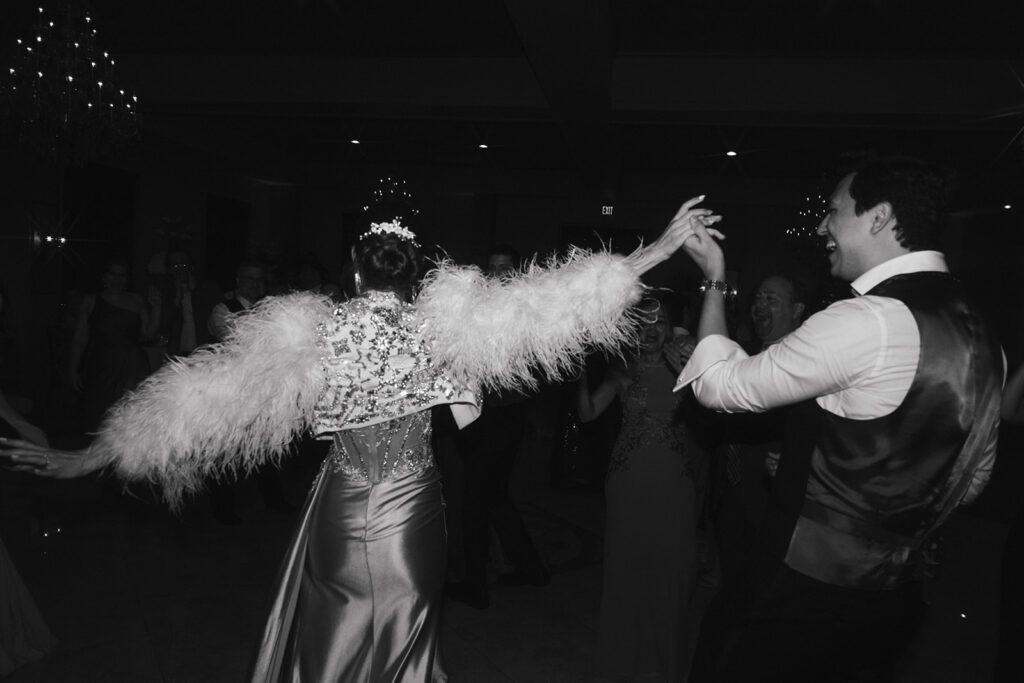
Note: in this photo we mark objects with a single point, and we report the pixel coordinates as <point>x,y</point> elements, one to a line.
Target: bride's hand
<point>682,227</point>
<point>701,244</point>
<point>25,456</point>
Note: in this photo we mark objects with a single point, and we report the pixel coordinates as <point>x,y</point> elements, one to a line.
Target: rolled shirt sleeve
<point>858,358</point>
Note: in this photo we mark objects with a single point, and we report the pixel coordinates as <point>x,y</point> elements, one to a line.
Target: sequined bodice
<point>649,415</point>
<point>383,451</point>
<point>377,366</point>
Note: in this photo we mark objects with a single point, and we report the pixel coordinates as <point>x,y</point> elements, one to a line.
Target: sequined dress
<point>650,536</point>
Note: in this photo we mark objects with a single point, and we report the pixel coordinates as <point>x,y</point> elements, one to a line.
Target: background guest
<point>250,288</point>
<point>749,444</point>
<point>488,449</point>
<point>650,544</point>
<point>107,354</point>
<point>1011,602</point>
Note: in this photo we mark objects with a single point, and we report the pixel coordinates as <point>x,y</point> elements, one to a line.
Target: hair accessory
<point>393,227</point>
<point>649,310</point>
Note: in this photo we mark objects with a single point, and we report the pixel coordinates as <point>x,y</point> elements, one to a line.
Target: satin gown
<point>360,591</point>
<point>650,565</point>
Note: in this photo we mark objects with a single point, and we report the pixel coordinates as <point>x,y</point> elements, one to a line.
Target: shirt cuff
<point>710,351</point>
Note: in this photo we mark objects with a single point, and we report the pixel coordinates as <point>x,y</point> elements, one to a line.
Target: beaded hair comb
<point>393,227</point>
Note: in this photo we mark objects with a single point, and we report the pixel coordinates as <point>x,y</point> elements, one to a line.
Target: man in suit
<point>250,287</point>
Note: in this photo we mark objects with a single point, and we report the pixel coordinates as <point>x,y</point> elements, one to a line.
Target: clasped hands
<point>688,229</point>
<point>698,240</point>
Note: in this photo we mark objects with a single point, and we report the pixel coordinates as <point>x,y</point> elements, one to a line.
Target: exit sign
<point>607,210</point>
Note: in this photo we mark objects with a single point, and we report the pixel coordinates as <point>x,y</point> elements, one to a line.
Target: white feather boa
<point>225,408</point>
<point>500,333</point>
<point>233,406</point>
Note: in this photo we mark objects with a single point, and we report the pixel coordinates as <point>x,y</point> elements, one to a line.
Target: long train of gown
<point>650,566</point>
<point>360,590</point>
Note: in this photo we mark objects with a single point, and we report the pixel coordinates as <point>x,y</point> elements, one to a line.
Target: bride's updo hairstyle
<point>387,257</point>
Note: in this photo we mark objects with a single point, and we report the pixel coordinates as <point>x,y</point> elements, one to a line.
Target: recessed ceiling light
<point>482,146</point>
<point>730,153</point>
<point>1007,206</point>
<point>354,142</point>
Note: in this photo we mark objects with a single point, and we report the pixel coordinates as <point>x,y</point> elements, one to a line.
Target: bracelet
<point>716,285</point>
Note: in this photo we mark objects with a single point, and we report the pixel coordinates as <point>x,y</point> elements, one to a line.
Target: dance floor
<point>139,596</point>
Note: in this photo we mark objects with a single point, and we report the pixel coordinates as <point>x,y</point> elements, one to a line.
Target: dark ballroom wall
<point>30,196</point>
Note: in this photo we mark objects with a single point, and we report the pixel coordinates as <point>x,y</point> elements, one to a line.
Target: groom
<point>897,393</point>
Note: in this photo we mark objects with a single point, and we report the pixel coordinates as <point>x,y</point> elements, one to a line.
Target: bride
<point>360,587</point>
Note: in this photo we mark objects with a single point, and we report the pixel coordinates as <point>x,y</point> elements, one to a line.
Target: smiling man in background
<point>778,308</point>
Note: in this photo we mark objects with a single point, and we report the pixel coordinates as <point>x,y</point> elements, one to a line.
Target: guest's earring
<point>358,282</point>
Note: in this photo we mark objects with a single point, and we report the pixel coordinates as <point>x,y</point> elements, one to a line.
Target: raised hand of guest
<point>680,228</point>
<point>678,351</point>
<point>25,456</point>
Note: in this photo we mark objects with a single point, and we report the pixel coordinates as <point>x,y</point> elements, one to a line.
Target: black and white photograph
<point>510,341</point>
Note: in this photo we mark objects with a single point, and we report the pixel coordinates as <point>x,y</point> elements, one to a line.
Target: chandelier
<point>60,95</point>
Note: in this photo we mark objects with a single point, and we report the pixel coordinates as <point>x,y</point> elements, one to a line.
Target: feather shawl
<point>500,333</point>
<point>225,408</point>
<point>230,407</point>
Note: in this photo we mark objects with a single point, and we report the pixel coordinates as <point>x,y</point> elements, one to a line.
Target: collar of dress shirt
<point>914,262</point>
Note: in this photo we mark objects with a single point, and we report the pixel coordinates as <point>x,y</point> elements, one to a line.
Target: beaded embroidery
<point>383,451</point>
<point>642,427</point>
<point>377,366</point>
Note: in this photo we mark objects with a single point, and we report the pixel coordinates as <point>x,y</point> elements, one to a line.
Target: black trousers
<point>488,448</point>
<point>801,629</point>
<point>1009,658</point>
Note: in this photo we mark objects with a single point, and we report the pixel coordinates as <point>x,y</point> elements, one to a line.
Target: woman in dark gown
<point>360,589</point>
<point>107,356</point>
<point>650,555</point>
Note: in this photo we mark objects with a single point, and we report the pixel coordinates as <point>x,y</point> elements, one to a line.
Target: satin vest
<point>878,488</point>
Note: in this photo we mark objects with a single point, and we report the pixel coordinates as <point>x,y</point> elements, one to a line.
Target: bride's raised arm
<point>501,332</point>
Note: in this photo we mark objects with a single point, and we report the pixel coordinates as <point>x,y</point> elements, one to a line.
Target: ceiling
<point>598,88</point>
